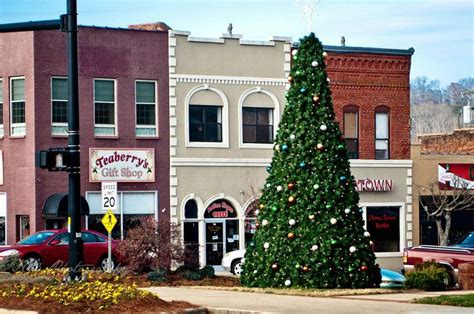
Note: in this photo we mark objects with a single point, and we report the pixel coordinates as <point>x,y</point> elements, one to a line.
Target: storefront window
<point>191,234</point>
<point>2,230</point>
<point>383,223</point>
<point>250,222</point>
<point>131,208</point>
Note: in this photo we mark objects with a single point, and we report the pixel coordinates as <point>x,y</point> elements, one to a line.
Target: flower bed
<point>45,291</point>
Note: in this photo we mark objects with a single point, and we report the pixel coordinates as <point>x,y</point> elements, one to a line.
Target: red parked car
<point>51,247</point>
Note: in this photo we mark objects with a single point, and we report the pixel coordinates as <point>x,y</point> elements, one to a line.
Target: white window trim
<point>115,125</point>
<point>276,117</point>
<point>402,225</point>
<point>10,108</point>
<point>148,103</point>
<point>53,124</point>
<point>225,118</point>
<point>120,196</point>
<point>2,130</point>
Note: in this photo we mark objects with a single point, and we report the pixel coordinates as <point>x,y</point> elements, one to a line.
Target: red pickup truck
<point>447,256</point>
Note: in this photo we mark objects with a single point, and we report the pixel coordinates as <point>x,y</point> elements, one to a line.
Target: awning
<point>55,206</point>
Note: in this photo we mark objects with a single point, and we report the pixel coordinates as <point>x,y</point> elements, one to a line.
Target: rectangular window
<point>257,125</point>
<point>2,133</point>
<point>383,223</point>
<point>17,109</point>
<point>104,107</point>
<point>381,135</point>
<point>59,98</point>
<point>205,123</point>
<point>351,134</point>
<point>145,98</point>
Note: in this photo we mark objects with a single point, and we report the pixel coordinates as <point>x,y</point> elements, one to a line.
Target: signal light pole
<point>67,23</point>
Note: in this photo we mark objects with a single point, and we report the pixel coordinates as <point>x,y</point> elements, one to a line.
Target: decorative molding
<point>172,117</point>
<point>228,80</point>
<point>222,39</point>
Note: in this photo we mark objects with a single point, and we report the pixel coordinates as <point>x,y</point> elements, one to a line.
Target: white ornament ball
<point>292,137</point>
<point>266,245</point>
<point>328,80</point>
<point>319,146</point>
<point>277,147</point>
<point>325,54</point>
<point>311,217</point>
<point>352,249</point>
<point>366,234</point>
<point>333,221</point>
<point>316,186</point>
<point>323,127</point>
<point>257,212</point>
<point>371,243</point>
<point>288,282</point>
<point>242,260</point>
<point>314,248</point>
<point>314,63</point>
<point>347,210</point>
<point>292,222</point>
<point>255,271</point>
<point>279,188</point>
<point>268,185</point>
<point>294,52</point>
<point>264,222</point>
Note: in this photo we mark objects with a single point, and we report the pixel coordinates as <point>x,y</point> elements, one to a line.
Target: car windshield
<point>36,238</point>
<point>468,241</point>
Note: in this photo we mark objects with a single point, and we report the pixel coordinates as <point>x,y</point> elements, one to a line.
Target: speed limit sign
<point>109,196</point>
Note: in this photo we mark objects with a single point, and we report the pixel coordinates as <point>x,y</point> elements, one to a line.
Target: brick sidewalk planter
<point>466,276</point>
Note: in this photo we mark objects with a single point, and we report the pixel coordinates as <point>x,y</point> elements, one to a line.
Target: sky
<point>441,31</point>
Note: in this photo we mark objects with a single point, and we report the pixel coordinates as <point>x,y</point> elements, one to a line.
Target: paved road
<point>245,302</point>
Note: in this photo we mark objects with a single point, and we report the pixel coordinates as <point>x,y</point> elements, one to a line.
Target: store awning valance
<point>55,206</point>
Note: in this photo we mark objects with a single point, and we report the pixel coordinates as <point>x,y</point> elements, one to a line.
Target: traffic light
<point>54,159</point>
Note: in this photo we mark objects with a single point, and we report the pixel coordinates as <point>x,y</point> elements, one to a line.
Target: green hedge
<point>428,276</point>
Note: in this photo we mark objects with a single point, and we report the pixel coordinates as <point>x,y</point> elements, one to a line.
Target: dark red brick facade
<point>123,55</point>
<point>368,80</point>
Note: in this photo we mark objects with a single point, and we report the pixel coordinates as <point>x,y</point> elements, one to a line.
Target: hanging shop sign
<point>374,185</point>
<point>220,209</point>
<point>122,165</point>
<point>451,176</point>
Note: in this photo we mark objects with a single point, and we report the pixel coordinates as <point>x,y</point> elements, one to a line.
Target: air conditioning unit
<point>468,114</point>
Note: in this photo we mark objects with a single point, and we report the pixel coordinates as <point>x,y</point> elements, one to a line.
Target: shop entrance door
<point>214,242</point>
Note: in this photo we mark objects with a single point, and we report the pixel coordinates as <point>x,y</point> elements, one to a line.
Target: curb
<point>215,310</point>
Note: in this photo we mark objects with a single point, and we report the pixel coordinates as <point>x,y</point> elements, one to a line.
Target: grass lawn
<point>466,300</point>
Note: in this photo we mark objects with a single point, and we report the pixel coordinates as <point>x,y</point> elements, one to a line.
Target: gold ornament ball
<point>291,235</point>
<point>311,217</point>
<point>261,206</point>
<point>315,98</point>
<point>291,199</point>
<point>320,146</point>
<point>305,268</point>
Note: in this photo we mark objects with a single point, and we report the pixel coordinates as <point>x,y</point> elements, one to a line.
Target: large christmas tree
<point>310,227</point>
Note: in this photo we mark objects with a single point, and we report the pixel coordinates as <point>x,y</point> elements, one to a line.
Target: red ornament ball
<point>305,268</point>
<point>363,268</point>
<point>291,235</point>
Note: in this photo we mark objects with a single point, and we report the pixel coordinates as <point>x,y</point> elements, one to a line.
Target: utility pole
<point>71,154</point>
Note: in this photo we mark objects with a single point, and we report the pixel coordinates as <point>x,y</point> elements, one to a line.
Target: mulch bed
<point>176,280</point>
<point>147,304</point>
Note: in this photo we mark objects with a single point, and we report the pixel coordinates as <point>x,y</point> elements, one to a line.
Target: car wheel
<point>31,263</point>
<point>448,281</point>
<point>236,267</point>
<point>103,264</point>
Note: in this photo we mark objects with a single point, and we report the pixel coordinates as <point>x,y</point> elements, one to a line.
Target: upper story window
<point>257,125</point>
<point>2,133</point>
<point>382,131</point>
<point>205,123</point>
<point>104,107</point>
<point>351,131</point>
<point>17,106</point>
<point>145,98</point>
<point>59,97</point>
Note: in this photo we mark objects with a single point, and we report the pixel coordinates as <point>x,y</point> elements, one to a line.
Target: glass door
<point>232,235</point>
<point>214,242</point>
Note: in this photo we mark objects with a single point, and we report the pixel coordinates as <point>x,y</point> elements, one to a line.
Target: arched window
<point>250,221</point>
<point>382,133</point>
<point>351,131</point>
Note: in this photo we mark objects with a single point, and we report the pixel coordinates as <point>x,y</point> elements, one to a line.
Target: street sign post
<point>109,222</point>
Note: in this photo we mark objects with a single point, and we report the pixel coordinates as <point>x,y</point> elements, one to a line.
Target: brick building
<point>437,158</point>
<point>123,98</point>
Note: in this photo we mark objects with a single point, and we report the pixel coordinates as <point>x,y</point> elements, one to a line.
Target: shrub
<point>159,275</point>
<point>428,276</point>
<point>150,245</point>
<point>11,264</point>
<point>207,271</point>
<point>192,275</point>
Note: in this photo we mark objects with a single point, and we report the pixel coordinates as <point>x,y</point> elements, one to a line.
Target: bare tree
<point>429,118</point>
<point>440,204</point>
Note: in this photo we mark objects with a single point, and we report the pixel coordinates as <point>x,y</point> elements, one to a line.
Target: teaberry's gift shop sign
<point>122,165</point>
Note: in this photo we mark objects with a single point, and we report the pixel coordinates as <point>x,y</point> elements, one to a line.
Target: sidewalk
<point>218,301</point>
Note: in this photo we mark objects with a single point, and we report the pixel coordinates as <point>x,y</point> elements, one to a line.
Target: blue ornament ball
<point>302,164</point>
<point>302,90</point>
<point>269,168</point>
<point>284,147</point>
<point>343,178</point>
